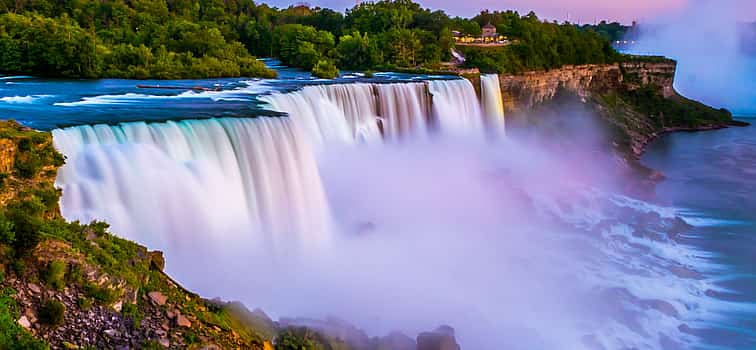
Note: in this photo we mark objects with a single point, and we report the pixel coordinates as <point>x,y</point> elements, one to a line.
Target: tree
<point>358,52</point>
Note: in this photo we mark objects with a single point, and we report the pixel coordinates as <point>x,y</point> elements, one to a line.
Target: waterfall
<point>331,113</point>
<point>493,106</point>
<point>455,106</point>
<point>404,109</point>
<point>149,180</point>
<point>348,113</point>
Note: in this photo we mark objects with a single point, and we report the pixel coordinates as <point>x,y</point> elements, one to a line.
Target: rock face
<point>7,155</point>
<point>522,92</point>
<point>598,86</point>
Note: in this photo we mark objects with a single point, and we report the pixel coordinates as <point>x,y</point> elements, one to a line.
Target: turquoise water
<point>45,104</point>
<point>711,176</point>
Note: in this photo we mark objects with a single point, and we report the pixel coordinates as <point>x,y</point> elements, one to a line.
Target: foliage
<point>51,313</point>
<point>297,338</point>
<point>12,336</point>
<point>358,52</point>
<point>301,46</point>
<point>101,294</point>
<point>610,31</point>
<point>676,111</point>
<point>110,39</point>
<point>325,69</point>
<point>179,39</point>
<point>54,274</point>
<point>537,45</point>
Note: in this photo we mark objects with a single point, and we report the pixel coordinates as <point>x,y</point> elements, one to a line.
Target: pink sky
<point>584,11</point>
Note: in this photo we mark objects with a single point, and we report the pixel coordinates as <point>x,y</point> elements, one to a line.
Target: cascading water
<point>331,113</point>
<point>455,106</point>
<point>491,101</point>
<point>414,234</point>
<point>359,112</point>
<point>404,110</point>
<point>149,180</point>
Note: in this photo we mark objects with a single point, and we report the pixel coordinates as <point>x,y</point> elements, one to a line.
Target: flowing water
<point>398,204</point>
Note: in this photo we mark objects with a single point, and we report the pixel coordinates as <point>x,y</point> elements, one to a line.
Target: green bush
<point>103,295</point>
<point>54,274</point>
<point>84,303</point>
<point>325,69</point>
<point>12,336</point>
<point>299,338</point>
<point>51,313</point>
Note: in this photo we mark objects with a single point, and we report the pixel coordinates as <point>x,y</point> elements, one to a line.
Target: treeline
<point>212,38</point>
<point>134,39</point>
<point>537,45</point>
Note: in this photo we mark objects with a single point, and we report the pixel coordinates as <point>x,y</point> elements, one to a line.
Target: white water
<point>348,113</point>
<point>423,233</point>
<point>155,182</point>
<point>331,113</point>
<point>493,106</point>
<point>455,106</point>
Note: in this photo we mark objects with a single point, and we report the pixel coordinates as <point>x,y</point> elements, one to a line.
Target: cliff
<point>637,98</point>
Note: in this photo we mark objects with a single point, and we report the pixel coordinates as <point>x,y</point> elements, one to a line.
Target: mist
<point>712,66</point>
<point>526,242</point>
<point>515,244</point>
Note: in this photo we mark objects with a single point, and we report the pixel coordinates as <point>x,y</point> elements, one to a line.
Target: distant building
<point>488,36</point>
<point>489,31</point>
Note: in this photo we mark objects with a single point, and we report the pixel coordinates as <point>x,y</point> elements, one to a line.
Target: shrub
<point>51,313</point>
<point>54,274</point>
<point>296,338</point>
<point>325,69</point>
<point>12,336</point>
<point>102,295</point>
<point>84,303</point>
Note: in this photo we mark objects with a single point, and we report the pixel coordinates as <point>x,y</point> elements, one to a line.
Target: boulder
<point>157,261</point>
<point>157,298</point>
<point>182,321</point>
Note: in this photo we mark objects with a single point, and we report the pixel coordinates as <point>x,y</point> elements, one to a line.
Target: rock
<point>182,321</point>
<point>157,298</point>
<point>118,306</point>
<point>24,322</point>
<point>164,342</point>
<point>34,288</point>
<point>165,326</point>
<point>67,345</point>
<point>157,261</point>
<point>440,339</point>
<point>111,333</point>
<point>170,314</point>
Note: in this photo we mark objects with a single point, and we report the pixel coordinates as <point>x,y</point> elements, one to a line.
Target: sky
<point>582,11</point>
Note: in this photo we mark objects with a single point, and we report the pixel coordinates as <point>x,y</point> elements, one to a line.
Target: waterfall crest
<point>491,101</point>
<point>150,178</point>
<point>342,113</point>
<point>348,113</point>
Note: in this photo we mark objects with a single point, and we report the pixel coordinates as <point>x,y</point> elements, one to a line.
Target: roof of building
<point>489,25</point>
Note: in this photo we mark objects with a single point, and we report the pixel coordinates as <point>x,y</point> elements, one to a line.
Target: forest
<point>172,39</point>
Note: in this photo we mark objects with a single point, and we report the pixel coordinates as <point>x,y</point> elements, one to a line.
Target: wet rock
<point>157,298</point>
